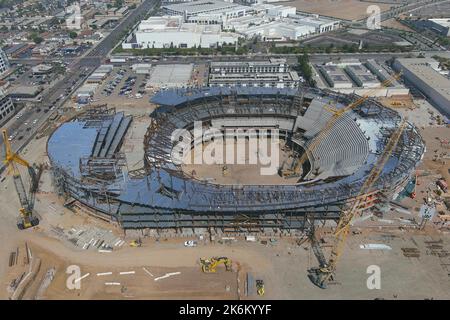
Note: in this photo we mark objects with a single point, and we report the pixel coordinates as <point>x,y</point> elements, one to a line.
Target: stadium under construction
<point>89,166</point>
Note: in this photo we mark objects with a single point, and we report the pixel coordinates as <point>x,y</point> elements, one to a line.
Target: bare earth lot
<point>341,9</point>
<point>282,264</point>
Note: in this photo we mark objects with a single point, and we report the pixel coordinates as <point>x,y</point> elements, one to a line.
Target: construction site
<point>355,184</point>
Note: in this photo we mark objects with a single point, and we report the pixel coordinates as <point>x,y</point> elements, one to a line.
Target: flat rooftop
<point>422,69</point>
<point>170,75</point>
<point>256,77</point>
<point>267,62</point>
<point>442,22</point>
<point>203,6</point>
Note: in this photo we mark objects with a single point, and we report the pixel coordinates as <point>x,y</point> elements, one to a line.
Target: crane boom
<point>27,219</point>
<point>337,113</point>
<point>320,276</point>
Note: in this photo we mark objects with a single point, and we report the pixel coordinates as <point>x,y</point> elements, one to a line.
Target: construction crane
<point>210,265</point>
<point>12,160</point>
<point>294,171</point>
<point>325,272</point>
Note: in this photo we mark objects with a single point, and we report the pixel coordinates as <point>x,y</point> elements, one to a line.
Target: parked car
<point>190,243</point>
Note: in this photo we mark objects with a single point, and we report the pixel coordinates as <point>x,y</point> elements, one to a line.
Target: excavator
<point>12,160</point>
<point>210,265</point>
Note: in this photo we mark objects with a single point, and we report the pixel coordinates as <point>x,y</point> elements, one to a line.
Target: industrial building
<point>92,171</point>
<point>273,73</point>
<point>431,83</point>
<point>271,80</point>
<point>216,10</point>
<point>171,31</point>
<point>170,76</point>
<point>6,107</point>
<point>100,73</point>
<point>42,69</point>
<point>353,76</point>
<point>440,26</point>
<point>4,63</point>
<point>200,24</point>
<point>271,65</point>
<point>272,23</point>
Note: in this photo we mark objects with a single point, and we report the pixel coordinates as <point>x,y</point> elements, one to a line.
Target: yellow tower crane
<point>325,272</point>
<point>26,219</point>
<point>294,170</point>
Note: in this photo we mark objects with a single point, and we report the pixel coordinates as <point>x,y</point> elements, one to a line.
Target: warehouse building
<point>215,8</point>
<point>335,77</point>
<point>281,23</point>
<point>279,31</point>
<point>171,31</point>
<point>271,73</point>
<point>270,65</point>
<point>361,78</point>
<point>440,26</point>
<point>432,84</point>
<point>264,80</point>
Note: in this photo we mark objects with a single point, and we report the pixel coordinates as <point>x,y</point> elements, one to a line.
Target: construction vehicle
<point>294,171</point>
<point>224,171</point>
<point>325,272</point>
<point>136,243</point>
<point>210,265</point>
<point>260,287</point>
<point>26,219</point>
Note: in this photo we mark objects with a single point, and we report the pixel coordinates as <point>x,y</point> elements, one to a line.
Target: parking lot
<point>125,83</point>
<point>123,87</point>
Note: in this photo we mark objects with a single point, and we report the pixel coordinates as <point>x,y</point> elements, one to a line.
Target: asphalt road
<point>77,72</point>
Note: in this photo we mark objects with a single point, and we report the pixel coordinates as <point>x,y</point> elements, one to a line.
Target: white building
<point>271,73</point>
<point>353,76</point>
<point>277,22</point>
<point>171,31</point>
<point>278,31</point>
<point>441,26</point>
<point>213,11</point>
<point>431,83</point>
<point>4,63</point>
<point>320,24</point>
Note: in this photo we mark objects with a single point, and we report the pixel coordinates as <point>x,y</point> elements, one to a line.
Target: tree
<point>36,38</point>
<point>73,34</point>
<point>305,68</point>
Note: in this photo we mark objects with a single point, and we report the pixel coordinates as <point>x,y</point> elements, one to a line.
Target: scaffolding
<point>161,196</point>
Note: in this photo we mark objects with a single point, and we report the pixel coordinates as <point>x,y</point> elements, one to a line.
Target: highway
<point>79,70</point>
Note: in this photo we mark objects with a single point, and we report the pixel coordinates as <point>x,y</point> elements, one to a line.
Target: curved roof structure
<point>160,195</point>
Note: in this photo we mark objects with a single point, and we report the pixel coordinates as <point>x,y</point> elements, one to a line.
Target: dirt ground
<point>341,9</point>
<point>281,263</point>
<point>394,24</point>
<point>239,170</point>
